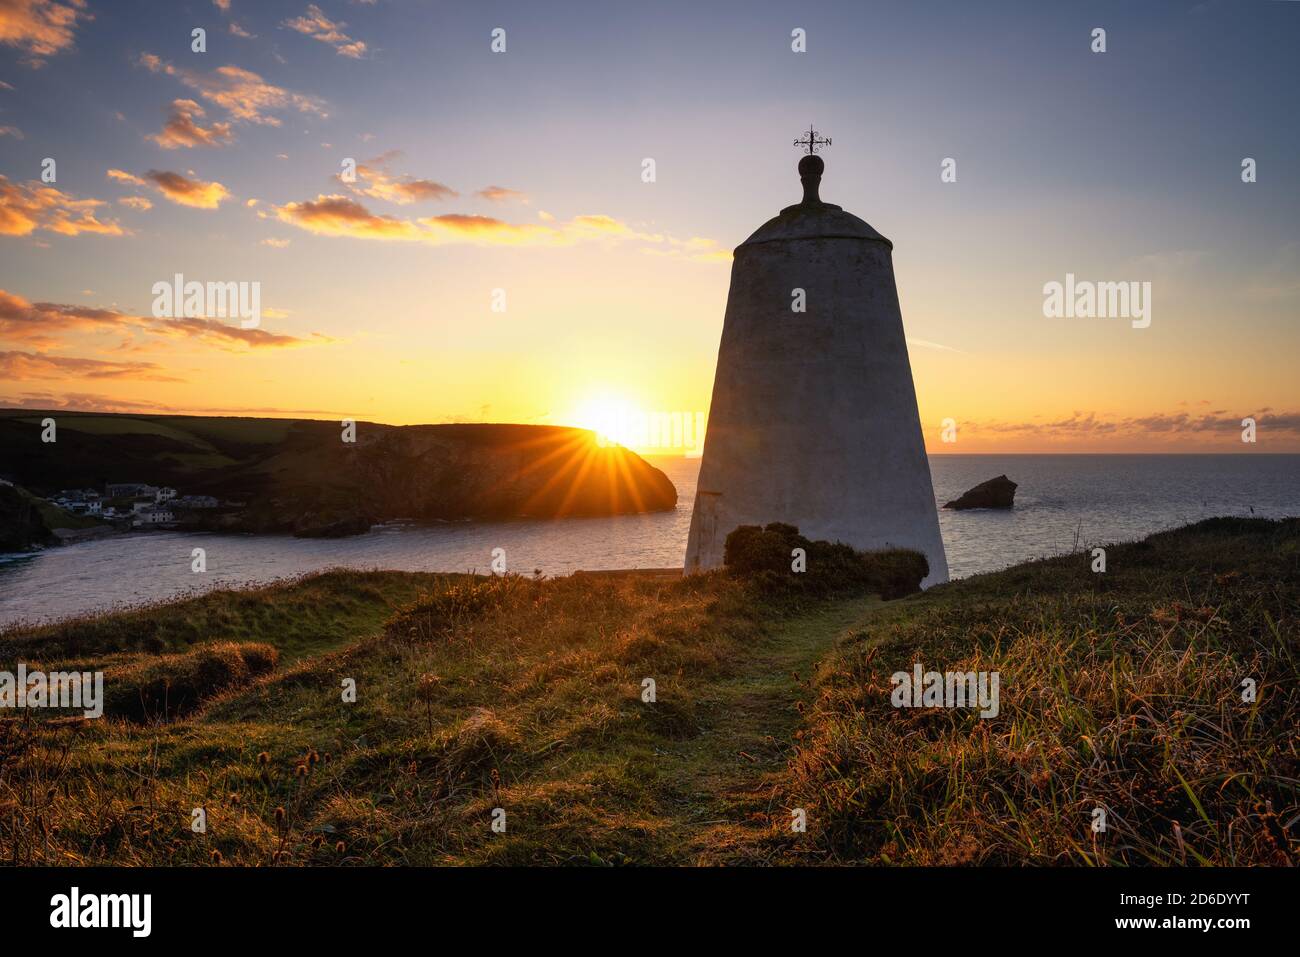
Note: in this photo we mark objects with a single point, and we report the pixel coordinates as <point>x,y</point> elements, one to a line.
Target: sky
<point>500,255</point>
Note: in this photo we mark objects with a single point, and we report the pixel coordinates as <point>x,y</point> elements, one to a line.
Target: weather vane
<point>812,141</point>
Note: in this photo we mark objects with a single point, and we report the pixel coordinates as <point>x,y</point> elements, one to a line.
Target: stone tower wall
<point>814,418</point>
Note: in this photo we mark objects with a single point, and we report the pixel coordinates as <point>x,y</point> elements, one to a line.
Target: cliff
<point>21,524</point>
<point>301,476</point>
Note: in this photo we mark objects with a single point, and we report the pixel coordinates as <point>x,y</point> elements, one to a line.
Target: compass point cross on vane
<point>812,141</point>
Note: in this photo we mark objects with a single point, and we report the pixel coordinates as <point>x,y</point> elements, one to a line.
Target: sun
<point>615,419</point>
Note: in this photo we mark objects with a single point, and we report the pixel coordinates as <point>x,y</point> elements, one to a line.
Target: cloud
<point>275,244</point>
<point>241,93</point>
<point>342,216</point>
<point>1157,424</point>
<point>222,5</point>
<point>27,207</point>
<point>122,176</point>
<point>316,25</point>
<point>43,324</point>
<point>403,190</point>
<point>38,323</point>
<point>13,131</point>
<point>457,227</point>
<point>337,215</point>
<point>187,192</point>
<point>214,333</point>
<point>136,202</point>
<point>182,131</point>
<point>40,28</point>
<point>238,31</point>
<point>696,249</point>
<point>34,365</point>
<point>500,194</point>
<point>74,401</point>
<point>98,402</point>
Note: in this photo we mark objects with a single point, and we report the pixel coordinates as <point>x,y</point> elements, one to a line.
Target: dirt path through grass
<point>726,773</point>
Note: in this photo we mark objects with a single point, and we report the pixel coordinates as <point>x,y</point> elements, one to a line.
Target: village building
<point>129,490</point>
<point>154,515</point>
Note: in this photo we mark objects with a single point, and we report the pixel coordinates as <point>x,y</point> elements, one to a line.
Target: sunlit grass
<point>1120,691</point>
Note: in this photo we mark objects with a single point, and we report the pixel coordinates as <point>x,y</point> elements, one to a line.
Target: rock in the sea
<point>314,526</point>
<point>998,492</point>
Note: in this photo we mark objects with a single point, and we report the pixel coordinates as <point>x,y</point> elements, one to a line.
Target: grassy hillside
<point>299,475</point>
<point>1119,690</point>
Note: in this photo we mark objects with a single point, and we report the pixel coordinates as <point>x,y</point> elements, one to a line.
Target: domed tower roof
<point>813,219</point>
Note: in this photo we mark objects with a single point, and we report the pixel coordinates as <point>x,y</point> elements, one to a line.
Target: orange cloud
<point>187,192</point>
<point>241,93</point>
<point>337,215</point>
<point>40,28</point>
<point>214,333</point>
<point>457,227</point>
<point>34,365</point>
<point>37,323</point>
<point>122,176</point>
<point>401,190</point>
<point>341,216</point>
<point>25,208</point>
<point>136,202</point>
<point>183,131</point>
<point>40,324</point>
<point>499,194</point>
<point>316,25</point>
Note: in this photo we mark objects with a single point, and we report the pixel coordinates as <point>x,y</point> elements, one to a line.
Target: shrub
<point>765,554</point>
<point>896,571</point>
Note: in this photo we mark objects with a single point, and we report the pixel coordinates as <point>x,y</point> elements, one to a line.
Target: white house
<point>154,515</point>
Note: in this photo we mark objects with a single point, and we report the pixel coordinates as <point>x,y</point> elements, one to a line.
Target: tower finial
<point>812,140</point>
<point>811,165</point>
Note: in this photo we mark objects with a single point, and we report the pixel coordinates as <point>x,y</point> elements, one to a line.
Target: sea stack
<point>814,419</point>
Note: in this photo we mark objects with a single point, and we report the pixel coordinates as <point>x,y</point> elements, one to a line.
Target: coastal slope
<point>1162,692</point>
<point>305,476</point>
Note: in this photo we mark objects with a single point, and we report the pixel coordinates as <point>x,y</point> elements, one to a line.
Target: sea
<point>1063,503</point>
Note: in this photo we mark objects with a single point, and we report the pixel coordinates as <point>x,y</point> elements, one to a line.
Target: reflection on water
<point>1061,499</point>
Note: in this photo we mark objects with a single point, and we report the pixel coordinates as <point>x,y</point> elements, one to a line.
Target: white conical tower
<point>814,419</point>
